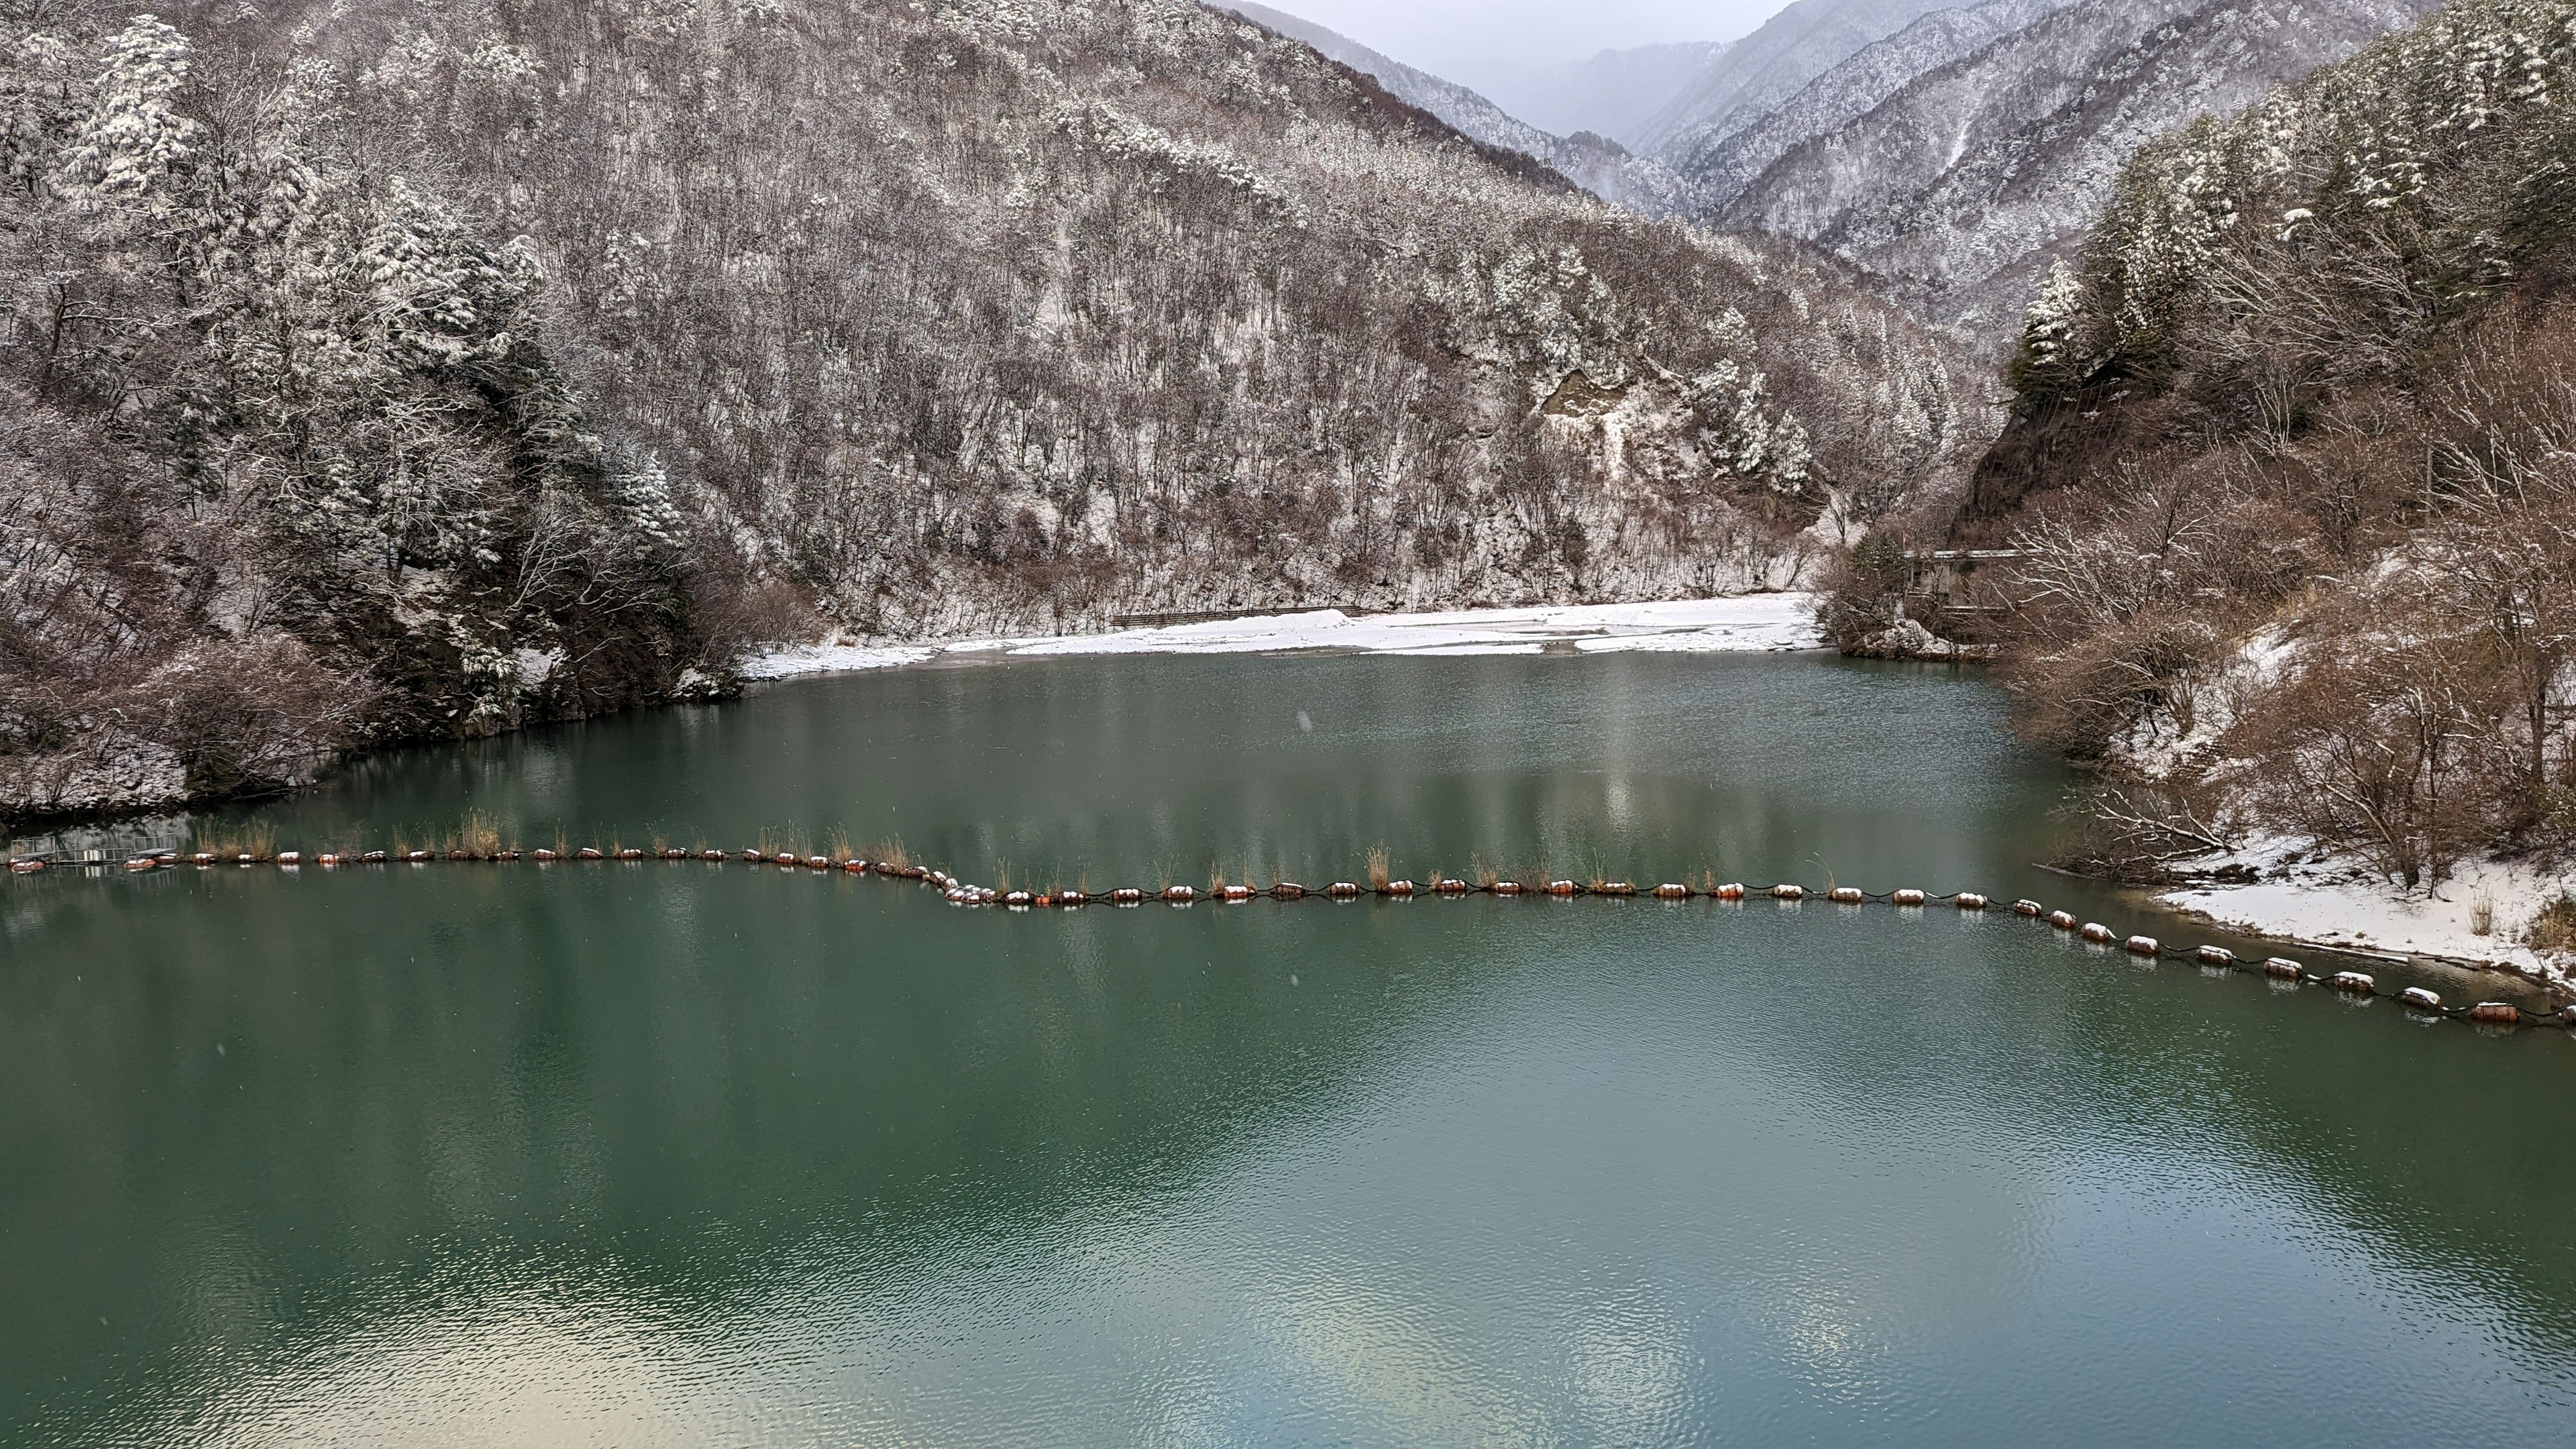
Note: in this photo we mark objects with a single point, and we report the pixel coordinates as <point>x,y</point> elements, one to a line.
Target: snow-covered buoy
<point>290,857</point>
<point>545,854</point>
<point>2283,966</point>
<point>1016,898</point>
<point>1788,893</point>
<point>1968,901</point>
<point>1288,890</point>
<point>1615,888</point>
<point>2025,908</point>
<point>1179,895</point>
<point>1672,891</point>
<point>1073,898</point>
<point>141,862</point>
<point>1731,891</point>
<point>1845,895</point>
<point>2502,1012</point>
<point>423,857</point>
<point>1450,886</point>
<point>1399,887</point>
<point>2357,981</point>
<point>2095,932</point>
<point>2061,920</point>
<point>1125,896</point>
<point>2214,956</point>
<point>2417,996</point>
<point>1562,888</point>
<point>1908,898</point>
<point>1235,894</point>
<point>2143,946</point>
<point>1343,888</point>
<point>1506,887</point>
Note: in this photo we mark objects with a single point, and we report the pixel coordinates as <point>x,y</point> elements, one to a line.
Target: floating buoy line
<point>967,896</point>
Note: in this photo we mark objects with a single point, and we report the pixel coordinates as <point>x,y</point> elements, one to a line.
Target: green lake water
<point>689,1154</point>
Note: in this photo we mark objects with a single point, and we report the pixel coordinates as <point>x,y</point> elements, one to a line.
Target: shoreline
<point>1772,623</point>
<point>2332,905</point>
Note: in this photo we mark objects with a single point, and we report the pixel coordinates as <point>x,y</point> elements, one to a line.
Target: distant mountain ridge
<point>1594,162</point>
<point>1612,93</point>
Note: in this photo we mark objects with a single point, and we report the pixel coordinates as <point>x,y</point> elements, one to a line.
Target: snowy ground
<point>1746,622</point>
<point>2335,904</point>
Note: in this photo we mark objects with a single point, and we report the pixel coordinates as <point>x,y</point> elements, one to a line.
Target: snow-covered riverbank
<point>1748,622</point>
<point>2337,905</point>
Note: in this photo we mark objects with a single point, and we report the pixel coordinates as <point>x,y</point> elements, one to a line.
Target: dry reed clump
<point>837,846</point>
<point>2482,914</point>
<point>256,840</point>
<point>1378,856</point>
<point>1484,872</point>
<point>1002,875</point>
<point>1216,878</point>
<point>2553,931</point>
<point>476,836</point>
<point>891,853</point>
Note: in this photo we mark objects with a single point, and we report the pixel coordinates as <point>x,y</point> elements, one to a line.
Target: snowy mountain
<point>1959,184</point>
<point>1759,73</point>
<point>1591,161</point>
<point>2288,465</point>
<point>1720,167</point>
<point>384,369</point>
<point>1613,93</point>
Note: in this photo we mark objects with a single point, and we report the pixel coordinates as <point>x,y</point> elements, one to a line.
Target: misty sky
<point>1457,38</point>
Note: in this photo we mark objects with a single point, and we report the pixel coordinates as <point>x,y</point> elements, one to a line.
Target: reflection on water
<point>689,1154</point>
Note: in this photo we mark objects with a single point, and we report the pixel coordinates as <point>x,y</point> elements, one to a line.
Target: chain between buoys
<point>960,894</point>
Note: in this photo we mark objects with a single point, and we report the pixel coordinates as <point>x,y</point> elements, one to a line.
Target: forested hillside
<point>386,368</point>
<point>2290,462</point>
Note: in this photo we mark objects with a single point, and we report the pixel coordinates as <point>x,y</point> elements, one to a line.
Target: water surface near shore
<point>689,1154</point>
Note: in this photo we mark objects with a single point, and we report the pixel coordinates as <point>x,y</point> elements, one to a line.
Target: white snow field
<point>1746,622</point>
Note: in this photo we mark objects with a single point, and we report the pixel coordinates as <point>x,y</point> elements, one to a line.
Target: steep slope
<point>1613,93</point>
<point>2289,463</point>
<point>1593,162</point>
<point>1957,186</point>
<point>1719,171</point>
<point>1763,70</point>
<point>290,461</point>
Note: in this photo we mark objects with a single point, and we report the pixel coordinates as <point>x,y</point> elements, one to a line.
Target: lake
<point>697,1154</point>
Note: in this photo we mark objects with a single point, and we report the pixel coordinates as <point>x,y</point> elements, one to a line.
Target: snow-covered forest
<point>384,369</point>
<point>2290,464</point>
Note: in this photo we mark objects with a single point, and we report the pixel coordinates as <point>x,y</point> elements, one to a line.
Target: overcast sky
<point>1454,37</point>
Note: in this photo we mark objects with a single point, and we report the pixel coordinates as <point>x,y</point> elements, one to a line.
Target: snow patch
<point>1744,623</point>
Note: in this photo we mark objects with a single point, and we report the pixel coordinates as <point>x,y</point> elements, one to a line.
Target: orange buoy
<point>1615,888</point>
<point>1016,898</point>
<point>1968,901</point>
<point>1126,896</point>
<point>1908,898</point>
<point>1672,891</point>
<point>711,855</point>
<point>2025,908</point>
<point>2421,999</point>
<point>1845,895</point>
<point>1562,887</point>
<point>2214,956</point>
<point>507,855</point>
<point>373,857</point>
<point>327,858</point>
<point>543,854</point>
<point>2061,920</point>
<point>1449,887</point>
<point>420,857</point>
<point>1343,888</point>
<point>1179,895</point>
<point>1288,890</point>
<point>630,853</point>
<point>2282,966</point>
<point>1788,893</point>
<point>1507,887</point>
<point>1399,887</point>
<point>818,862</point>
<point>2143,946</point>
<point>1236,894</point>
<point>855,867</point>
<point>754,856</point>
<point>2355,981</point>
<point>1073,898</point>
<point>1731,891</point>
<point>141,862</point>
<point>2504,1013</point>
<point>2095,932</point>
